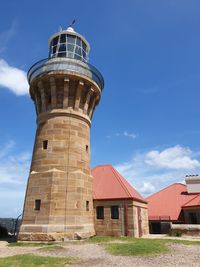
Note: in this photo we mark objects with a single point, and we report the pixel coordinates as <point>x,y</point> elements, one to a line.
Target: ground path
<point>94,255</point>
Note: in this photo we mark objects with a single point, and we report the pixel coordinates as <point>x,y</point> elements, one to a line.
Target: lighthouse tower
<point>65,90</point>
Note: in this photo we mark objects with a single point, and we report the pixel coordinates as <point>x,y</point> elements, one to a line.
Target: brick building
<point>119,210</point>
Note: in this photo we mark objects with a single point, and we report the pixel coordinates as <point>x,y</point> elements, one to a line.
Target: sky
<point>147,123</point>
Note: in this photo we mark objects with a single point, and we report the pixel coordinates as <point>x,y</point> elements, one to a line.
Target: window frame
<point>87,205</point>
<point>114,210</point>
<point>100,212</point>
<point>37,204</point>
<point>45,144</point>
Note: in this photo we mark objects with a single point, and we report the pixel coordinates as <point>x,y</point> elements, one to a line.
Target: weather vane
<point>70,25</point>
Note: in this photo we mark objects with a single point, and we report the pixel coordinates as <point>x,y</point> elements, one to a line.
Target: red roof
<point>109,184</point>
<point>168,202</point>
<point>194,202</point>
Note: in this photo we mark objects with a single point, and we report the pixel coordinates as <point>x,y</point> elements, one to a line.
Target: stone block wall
<point>127,224</point>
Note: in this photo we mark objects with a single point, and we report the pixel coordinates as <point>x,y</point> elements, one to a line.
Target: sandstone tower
<point>65,90</point>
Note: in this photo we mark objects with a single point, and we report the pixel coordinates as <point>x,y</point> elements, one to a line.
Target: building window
<point>114,212</point>
<point>37,204</point>
<point>45,144</point>
<point>87,205</point>
<point>100,212</point>
<point>86,148</point>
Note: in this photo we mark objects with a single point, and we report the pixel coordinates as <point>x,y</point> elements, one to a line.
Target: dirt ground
<point>95,255</point>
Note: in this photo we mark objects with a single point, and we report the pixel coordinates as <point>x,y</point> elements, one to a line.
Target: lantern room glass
<point>68,45</point>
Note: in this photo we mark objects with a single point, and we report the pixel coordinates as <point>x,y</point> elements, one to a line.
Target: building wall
<point>193,184</point>
<point>140,213</point>
<point>131,215</point>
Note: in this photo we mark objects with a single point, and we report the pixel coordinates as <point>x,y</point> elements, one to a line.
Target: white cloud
<point>124,134</point>
<point>176,157</point>
<point>147,188</point>
<point>14,169</point>
<point>130,135</point>
<point>13,78</point>
<point>150,171</point>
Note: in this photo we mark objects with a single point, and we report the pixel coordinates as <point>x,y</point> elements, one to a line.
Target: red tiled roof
<point>168,201</point>
<point>193,202</point>
<point>109,184</point>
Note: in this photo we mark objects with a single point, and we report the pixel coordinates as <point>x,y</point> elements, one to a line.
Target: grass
<point>105,239</point>
<point>125,246</point>
<point>129,246</point>
<point>138,247</point>
<point>29,260</point>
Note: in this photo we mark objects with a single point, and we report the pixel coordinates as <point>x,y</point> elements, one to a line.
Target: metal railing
<point>61,64</point>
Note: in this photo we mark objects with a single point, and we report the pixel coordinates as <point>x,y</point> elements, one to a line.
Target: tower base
<point>62,215</point>
<point>54,232</point>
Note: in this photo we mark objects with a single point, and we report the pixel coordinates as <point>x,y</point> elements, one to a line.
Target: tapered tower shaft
<point>65,90</point>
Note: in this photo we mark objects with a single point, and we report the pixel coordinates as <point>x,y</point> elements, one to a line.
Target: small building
<point>178,204</point>
<point>119,210</point>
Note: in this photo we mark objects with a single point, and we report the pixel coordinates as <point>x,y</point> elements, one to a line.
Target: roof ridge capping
<point>122,181</point>
<point>101,165</point>
<point>198,194</point>
<point>119,181</point>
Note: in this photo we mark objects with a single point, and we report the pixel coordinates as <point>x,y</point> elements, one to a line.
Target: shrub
<point>174,232</point>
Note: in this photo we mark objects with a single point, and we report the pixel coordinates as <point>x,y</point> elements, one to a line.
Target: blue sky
<point>147,123</point>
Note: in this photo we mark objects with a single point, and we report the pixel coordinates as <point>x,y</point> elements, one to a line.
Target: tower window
<point>55,40</point>
<point>114,212</point>
<point>87,205</point>
<point>62,47</point>
<point>45,144</point>
<point>71,39</point>
<point>63,38</point>
<point>86,148</point>
<point>37,204</point>
<point>100,212</point>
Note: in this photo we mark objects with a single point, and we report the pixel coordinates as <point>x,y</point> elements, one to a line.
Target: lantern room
<point>70,44</point>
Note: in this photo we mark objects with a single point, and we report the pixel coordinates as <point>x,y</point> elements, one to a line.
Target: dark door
<point>155,228</point>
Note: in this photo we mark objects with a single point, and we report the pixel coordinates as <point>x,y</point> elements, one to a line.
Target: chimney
<point>193,183</point>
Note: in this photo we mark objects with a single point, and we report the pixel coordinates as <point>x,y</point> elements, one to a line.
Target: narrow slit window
<point>37,204</point>
<point>45,144</point>
<point>100,212</point>
<point>86,148</point>
<point>87,205</point>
